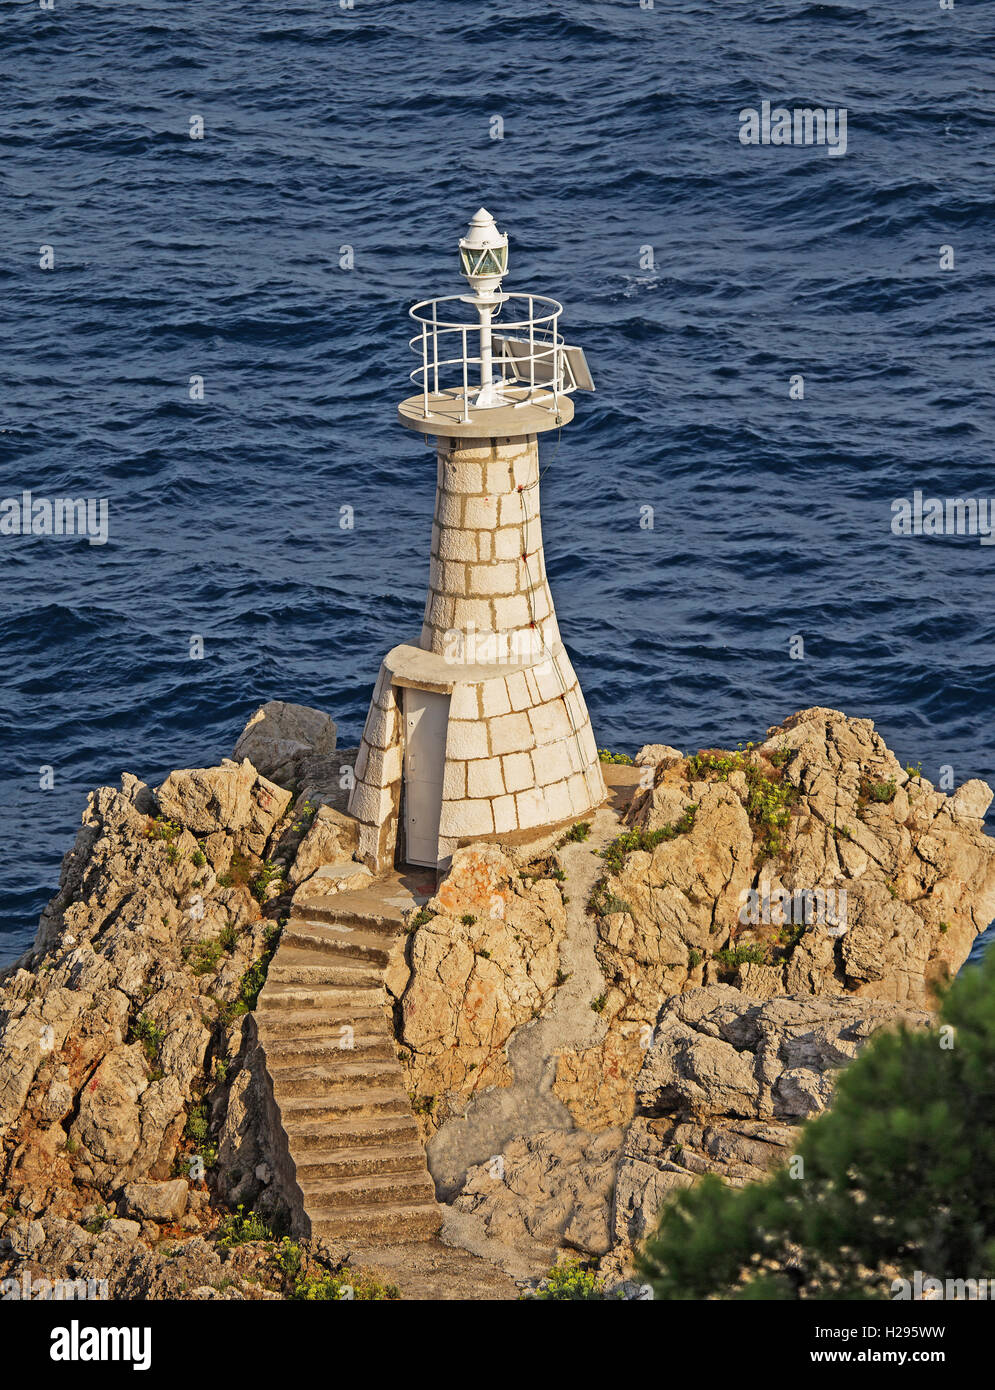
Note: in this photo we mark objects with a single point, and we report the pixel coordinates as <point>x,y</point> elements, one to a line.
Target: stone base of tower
<point>518,755</point>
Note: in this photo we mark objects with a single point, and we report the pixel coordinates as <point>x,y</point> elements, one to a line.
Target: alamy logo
<point>802,125</point>
<point>803,907</point>
<point>75,1343</point>
<point>28,515</point>
<point>944,516</point>
<point>29,1286</point>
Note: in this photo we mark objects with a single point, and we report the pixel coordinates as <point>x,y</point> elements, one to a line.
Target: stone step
<point>308,1135</point>
<point>337,939</point>
<point>402,1224</point>
<point>323,1081</point>
<point>278,1023</point>
<point>342,1105</point>
<point>295,1050</point>
<point>344,1163</point>
<point>333,908</point>
<point>323,1195</point>
<point>279,995</point>
<point>300,969</point>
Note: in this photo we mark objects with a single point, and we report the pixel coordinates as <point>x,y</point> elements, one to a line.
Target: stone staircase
<point>357,1168</point>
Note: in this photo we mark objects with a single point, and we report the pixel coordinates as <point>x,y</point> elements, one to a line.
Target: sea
<point>214,219</point>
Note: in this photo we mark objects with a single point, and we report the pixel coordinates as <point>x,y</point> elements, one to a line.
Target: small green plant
<point>694,958</point>
<point>878,791</point>
<point>421,1105</point>
<point>150,1035</point>
<point>842,832</point>
<point>599,1003</point>
<point>307,814</point>
<point>603,903</point>
<point>562,977</point>
<point>616,853</point>
<point>730,958</point>
<point>468,919</point>
<point>289,1258</point>
<point>203,956</point>
<point>606,756</point>
<point>238,1229</point>
<point>359,1288</point>
<point>944,928</point>
<point>486,954</point>
<point>198,858</point>
<point>159,828</point>
<point>579,832</point>
<point>419,919</point>
<point>97,1223</point>
<point>268,874</point>
<point>570,1281</point>
<point>196,1126</point>
<point>228,937</point>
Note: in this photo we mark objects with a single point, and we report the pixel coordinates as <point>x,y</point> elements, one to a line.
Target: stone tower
<point>479,728</point>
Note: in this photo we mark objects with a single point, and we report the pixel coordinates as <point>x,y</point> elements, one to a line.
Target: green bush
<point>150,1035</point>
<point>606,756</point>
<point>570,1281</point>
<point>730,958</point>
<point>238,1228</point>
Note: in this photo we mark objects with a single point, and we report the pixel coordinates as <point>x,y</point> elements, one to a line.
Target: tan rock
<point>484,963</point>
<point>331,839</point>
<point>280,737</point>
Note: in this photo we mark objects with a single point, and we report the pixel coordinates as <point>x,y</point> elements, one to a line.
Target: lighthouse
<point>478,728</point>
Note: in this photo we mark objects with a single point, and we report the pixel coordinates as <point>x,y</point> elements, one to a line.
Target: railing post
<point>435,345</point>
<point>466,385</point>
<point>532,347</point>
<point>424,360</point>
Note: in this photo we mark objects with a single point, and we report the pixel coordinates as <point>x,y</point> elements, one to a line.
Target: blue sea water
<point>371,128</point>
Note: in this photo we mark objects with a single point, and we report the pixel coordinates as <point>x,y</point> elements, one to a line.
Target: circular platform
<point>527,413</point>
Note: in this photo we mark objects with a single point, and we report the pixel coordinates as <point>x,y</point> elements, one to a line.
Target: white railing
<point>524,353</point>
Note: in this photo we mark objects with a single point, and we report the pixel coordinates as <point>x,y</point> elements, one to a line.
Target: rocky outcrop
<point>281,739</point>
<point>812,863</point>
<point>726,1083</point>
<point>547,1192</point>
<point>482,959</point>
<point>130,1076</point>
<point>723,1087</point>
<point>689,1024</point>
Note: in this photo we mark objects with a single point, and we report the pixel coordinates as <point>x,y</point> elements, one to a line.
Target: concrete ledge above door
<point>411,665</point>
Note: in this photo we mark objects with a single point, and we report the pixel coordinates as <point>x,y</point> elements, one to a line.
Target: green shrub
<point>571,1281</point>
<point>606,756</point>
<point>603,903</point>
<point>731,957</point>
<point>268,874</point>
<point>203,956</point>
<point>616,853</point>
<point>238,1228</point>
<point>150,1035</point>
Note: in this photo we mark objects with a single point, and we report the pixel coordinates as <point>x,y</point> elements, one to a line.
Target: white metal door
<point>426,719</point>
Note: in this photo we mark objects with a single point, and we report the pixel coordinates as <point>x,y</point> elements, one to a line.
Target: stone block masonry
<point>519,750</point>
<point>487,573</point>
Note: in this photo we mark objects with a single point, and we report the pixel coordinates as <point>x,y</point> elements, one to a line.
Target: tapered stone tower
<point>479,729</point>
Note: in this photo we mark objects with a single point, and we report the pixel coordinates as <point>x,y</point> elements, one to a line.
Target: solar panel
<point>514,354</point>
